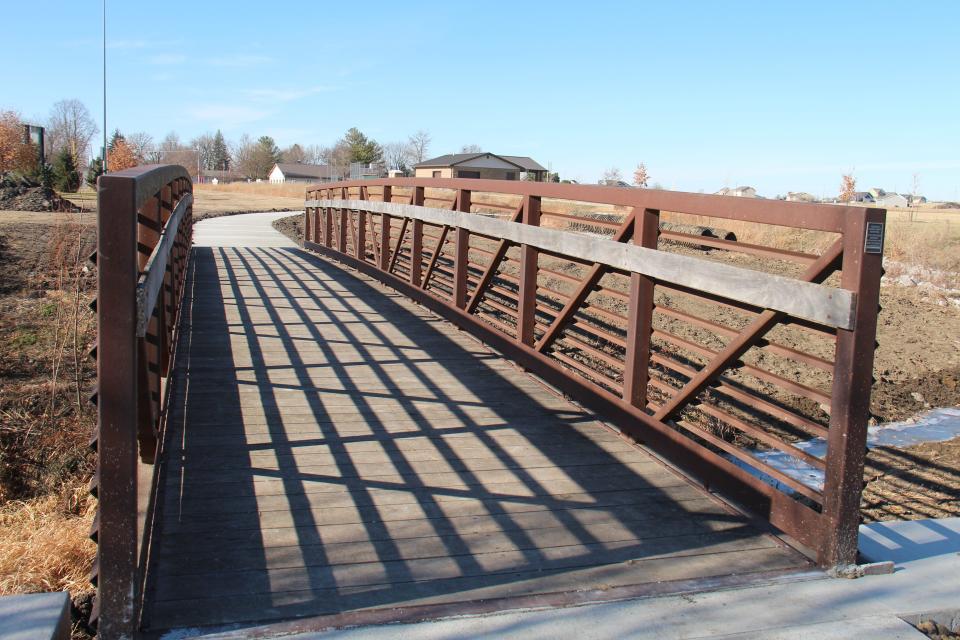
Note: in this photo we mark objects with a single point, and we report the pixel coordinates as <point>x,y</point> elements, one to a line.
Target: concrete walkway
<point>242,230</point>
<point>818,608</point>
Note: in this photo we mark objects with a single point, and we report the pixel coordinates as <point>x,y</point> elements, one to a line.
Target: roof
<point>523,162</point>
<point>303,170</point>
<point>528,163</point>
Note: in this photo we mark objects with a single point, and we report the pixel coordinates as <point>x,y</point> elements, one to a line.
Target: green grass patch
<point>23,339</point>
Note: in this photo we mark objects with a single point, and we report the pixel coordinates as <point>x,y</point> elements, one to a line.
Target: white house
<point>739,192</point>
<point>483,165</point>
<point>891,201</point>
<point>302,172</point>
<point>800,196</point>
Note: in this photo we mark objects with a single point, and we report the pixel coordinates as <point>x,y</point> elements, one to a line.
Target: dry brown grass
<point>44,543</point>
<point>286,190</point>
<point>46,330</point>
<point>247,196</point>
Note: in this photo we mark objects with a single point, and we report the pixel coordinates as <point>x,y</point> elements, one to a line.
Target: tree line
<point>254,158</point>
<point>70,131</point>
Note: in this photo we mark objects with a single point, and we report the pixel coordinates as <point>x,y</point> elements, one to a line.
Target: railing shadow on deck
<point>220,498</point>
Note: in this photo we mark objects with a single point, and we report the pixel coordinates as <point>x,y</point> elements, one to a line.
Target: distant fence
<point>144,235</point>
<point>713,352</point>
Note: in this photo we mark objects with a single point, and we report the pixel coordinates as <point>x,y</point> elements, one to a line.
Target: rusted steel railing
<point>144,231</point>
<point>714,352</point>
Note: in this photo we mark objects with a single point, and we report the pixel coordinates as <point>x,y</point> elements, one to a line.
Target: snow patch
<point>938,425</point>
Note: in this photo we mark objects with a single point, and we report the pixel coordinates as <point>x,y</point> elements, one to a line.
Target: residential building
<point>891,201</point>
<point>487,166</point>
<point>800,196</point>
<point>738,192</point>
<point>302,172</point>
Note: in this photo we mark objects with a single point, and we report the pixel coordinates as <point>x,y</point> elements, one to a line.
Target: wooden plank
<point>331,452</point>
<point>484,548</point>
<point>380,504</point>
<point>280,604</point>
<point>344,577</point>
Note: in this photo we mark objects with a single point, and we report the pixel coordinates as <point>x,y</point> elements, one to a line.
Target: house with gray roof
<point>487,166</point>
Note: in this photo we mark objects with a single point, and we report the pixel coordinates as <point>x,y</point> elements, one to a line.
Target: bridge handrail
<point>606,358</point>
<point>144,237</point>
<point>829,306</point>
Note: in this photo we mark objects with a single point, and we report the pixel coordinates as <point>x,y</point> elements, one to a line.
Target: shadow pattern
<point>334,448</point>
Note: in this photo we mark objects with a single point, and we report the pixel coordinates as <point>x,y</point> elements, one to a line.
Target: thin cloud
<point>285,95</point>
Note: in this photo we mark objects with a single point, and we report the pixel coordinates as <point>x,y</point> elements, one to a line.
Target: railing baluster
<point>640,315</point>
<point>328,221</point>
<point>416,251</point>
<point>308,219</point>
<point>385,232</point>
<point>529,256</point>
<point>342,240</point>
<point>461,253</point>
<point>360,248</point>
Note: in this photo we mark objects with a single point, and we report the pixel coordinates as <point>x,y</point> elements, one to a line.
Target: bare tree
<point>241,154</point>
<point>315,153</point>
<point>640,175</point>
<point>471,148</point>
<point>71,127</point>
<point>419,144</point>
<point>611,177</point>
<point>141,143</point>
<point>172,151</point>
<point>203,145</point>
<point>848,187</point>
<point>397,155</point>
<point>293,153</point>
<point>338,157</point>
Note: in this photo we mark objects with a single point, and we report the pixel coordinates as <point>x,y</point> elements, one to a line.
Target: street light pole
<point>104,86</point>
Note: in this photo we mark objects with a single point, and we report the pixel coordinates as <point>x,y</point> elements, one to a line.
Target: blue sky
<point>781,96</point>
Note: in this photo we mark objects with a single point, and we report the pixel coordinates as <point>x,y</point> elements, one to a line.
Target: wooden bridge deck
<point>333,448</point>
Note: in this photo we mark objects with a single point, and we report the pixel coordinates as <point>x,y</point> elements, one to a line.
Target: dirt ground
<point>917,367</point>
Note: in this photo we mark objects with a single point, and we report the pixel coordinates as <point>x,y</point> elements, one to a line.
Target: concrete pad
<point>35,616</point>
<point>242,230</point>
<point>905,541</point>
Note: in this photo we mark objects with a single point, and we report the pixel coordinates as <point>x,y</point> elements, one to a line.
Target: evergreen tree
<point>219,154</point>
<point>94,171</point>
<point>116,138</point>
<point>362,149</point>
<point>45,175</point>
<point>65,174</point>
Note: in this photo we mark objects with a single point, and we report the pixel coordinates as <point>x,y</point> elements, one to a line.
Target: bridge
<point>462,396</point>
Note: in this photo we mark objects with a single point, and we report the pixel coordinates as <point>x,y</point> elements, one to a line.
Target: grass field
<point>225,198</point>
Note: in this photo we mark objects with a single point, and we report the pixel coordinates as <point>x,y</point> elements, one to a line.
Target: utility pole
<point>104,86</point>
